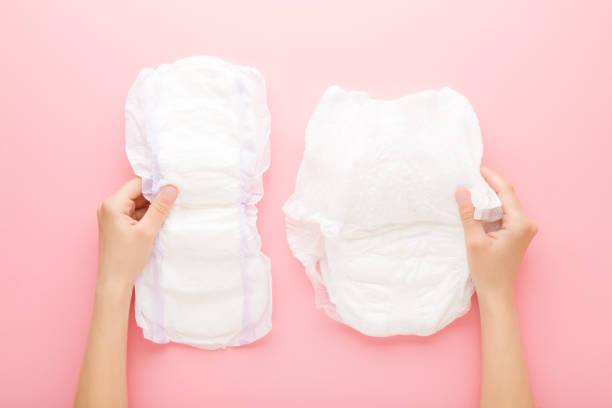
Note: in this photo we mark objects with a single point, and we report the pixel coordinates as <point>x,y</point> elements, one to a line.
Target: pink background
<point>538,74</point>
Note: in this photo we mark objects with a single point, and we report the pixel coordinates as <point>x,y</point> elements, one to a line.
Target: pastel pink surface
<point>537,73</point>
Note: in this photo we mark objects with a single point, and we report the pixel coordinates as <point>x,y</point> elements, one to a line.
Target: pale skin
<point>494,259</point>
<point>128,226</point>
<point>127,229</point>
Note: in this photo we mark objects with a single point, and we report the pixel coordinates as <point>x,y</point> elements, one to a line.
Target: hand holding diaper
<point>494,256</point>
<point>128,225</point>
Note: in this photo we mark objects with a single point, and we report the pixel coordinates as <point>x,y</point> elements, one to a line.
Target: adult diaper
<point>373,217</point>
<point>203,125</point>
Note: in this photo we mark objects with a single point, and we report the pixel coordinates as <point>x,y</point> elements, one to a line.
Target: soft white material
<point>203,125</point>
<point>373,217</point>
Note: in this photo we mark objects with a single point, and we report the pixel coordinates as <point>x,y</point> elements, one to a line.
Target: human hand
<point>128,225</point>
<point>494,257</point>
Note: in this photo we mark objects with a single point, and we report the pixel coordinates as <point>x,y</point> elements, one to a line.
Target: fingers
<point>504,190</point>
<point>518,224</point>
<point>159,209</point>
<point>127,198</point>
<point>139,213</point>
<point>130,190</point>
<point>141,202</point>
<point>142,205</point>
<point>472,229</point>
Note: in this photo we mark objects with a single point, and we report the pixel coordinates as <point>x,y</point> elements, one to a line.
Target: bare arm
<point>127,230</point>
<point>494,259</point>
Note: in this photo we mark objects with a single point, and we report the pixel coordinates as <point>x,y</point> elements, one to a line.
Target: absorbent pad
<point>373,217</point>
<point>202,124</point>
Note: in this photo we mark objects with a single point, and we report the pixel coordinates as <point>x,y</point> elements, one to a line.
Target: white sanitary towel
<point>203,125</point>
<point>373,217</point>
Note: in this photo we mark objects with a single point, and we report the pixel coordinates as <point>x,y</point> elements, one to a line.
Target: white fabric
<point>373,218</point>
<point>203,125</point>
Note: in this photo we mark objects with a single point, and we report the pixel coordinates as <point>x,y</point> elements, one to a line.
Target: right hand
<point>494,257</point>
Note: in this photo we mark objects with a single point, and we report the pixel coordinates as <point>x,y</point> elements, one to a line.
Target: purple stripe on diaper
<point>159,333</point>
<point>245,336</point>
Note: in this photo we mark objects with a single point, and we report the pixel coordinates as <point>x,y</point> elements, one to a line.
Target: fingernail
<point>462,196</point>
<point>169,193</point>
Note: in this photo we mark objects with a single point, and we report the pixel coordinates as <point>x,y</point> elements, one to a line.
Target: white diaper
<point>203,125</point>
<point>373,217</point>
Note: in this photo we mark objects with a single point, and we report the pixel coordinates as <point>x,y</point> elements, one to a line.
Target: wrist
<point>113,290</point>
<point>496,298</point>
<point>111,307</point>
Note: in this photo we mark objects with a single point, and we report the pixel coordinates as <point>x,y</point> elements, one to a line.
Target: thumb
<point>472,229</point>
<point>159,209</point>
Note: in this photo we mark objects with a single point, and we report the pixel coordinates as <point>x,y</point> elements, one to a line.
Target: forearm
<point>103,377</point>
<point>504,375</point>
<point>127,226</point>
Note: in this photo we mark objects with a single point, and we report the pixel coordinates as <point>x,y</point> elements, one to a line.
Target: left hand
<point>128,225</point>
